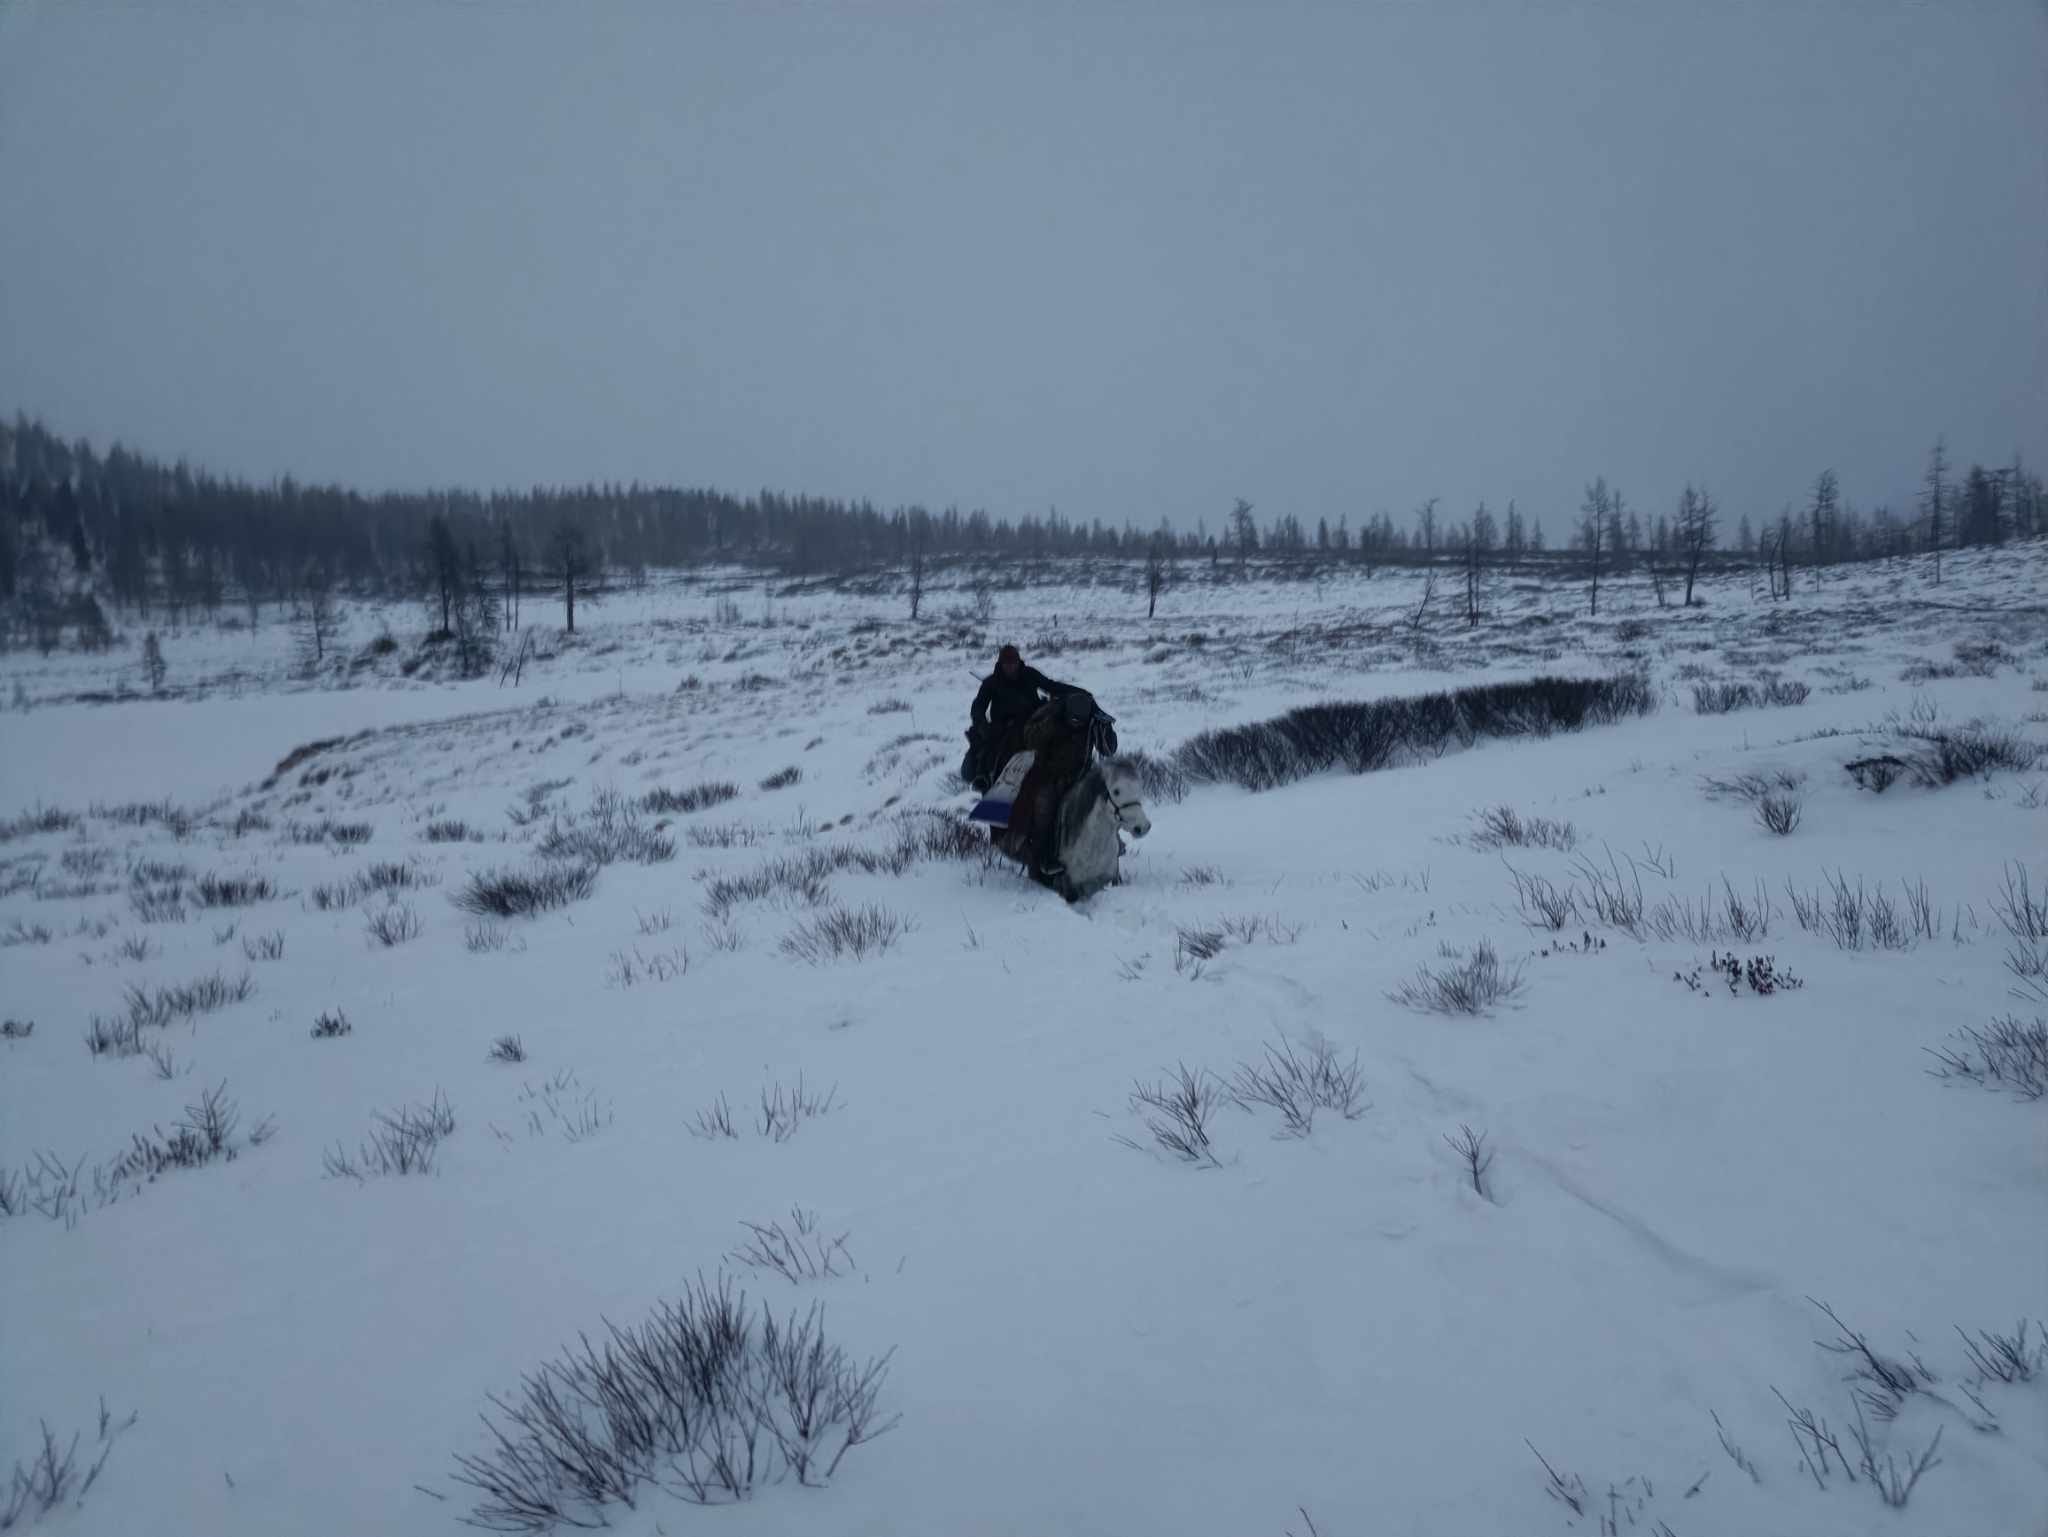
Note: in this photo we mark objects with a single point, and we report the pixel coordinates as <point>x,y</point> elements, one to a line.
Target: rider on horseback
<point>1063,732</point>
<point>1009,697</point>
<point>1061,737</point>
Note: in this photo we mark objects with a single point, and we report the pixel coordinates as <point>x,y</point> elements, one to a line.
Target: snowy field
<point>1608,1317</point>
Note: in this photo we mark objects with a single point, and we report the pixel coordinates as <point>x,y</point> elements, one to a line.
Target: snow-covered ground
<point>1089,1335</point>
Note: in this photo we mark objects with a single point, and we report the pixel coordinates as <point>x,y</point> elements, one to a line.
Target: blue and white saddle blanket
<point>994,807</point>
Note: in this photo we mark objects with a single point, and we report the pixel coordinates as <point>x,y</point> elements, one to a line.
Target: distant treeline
<point>148,536</point>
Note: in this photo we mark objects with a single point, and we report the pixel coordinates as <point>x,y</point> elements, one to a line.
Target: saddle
<point>994,807</point>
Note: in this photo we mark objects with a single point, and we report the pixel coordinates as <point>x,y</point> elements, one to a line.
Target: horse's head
<point>1122,786</point>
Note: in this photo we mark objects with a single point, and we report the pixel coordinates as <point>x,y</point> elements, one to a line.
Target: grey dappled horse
<point>1102,805</point>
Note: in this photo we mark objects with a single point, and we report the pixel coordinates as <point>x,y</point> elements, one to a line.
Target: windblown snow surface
<point>1089,1333</point>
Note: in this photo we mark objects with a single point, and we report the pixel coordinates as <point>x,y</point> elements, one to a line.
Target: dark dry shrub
<point>1432,722</point>
<point>16,1029</point>
<point>782,779</point>
<point>799,1252</point>
<point>609,832</point>
<point>1729,916</point>
<point>1160,779</point>
<point>1471,986</point>
<point>390,876</point>
<point>327,830</point>
<point>117,1037</point>
<point>2010,1054</point>
<point>725,835</point>
<point>303,753</point>
<point>1753,787</point>
<point>508,1048</point>
<point>393,925</point>
<point>1877,773</point>
<point>1249,929</point>
<point>1541,706</point>
<point>44,819</point>
<point>1779,813</point>
<point>1920,670</point>
<point>158,872</point>
<point>1982,658</point>
<point>1543,903</point>
<point>203,995</point>
<point>402,1141</point>
<point>1504,827</point>
<point>66,891</point>
<point>158,904</point>
<point>844,934</point>
<point>524,893</point>
<point>1856,918</point>
<point>21,875</point>
<point>1613,896</point>
<point>52,1477</point>
<point>705,1397</point>
<point>232,890</point>
<point>264,947</point>
<point>698,797</point>
<point>1367,735</point>
<point>804,877</point>
<point>1943,757</point>
<point>715,1122</point>
<point>1722,698</point>
<point>2007,1357</point>
<point>889,707</point>
<point>939,835</point>
<point>785,1108</point>
<point>331,1024</point>
<point>1176,1112</point>
<point>1299,1082</point>
<point>88,861</point>
<point>1256,757</point>
<point>166,814</point>
<point>2024,915</point>
<point>449,830</point>
<point>722,893</point>
<point>206,1134</point>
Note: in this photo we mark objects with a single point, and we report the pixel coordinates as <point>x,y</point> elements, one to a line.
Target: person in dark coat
<point>1009,697</point>
<point>1061,736</point>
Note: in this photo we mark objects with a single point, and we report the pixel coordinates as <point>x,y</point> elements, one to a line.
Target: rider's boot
<point>1045,861</point>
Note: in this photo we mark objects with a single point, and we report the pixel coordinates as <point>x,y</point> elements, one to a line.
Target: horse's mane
<point>1089,791</point>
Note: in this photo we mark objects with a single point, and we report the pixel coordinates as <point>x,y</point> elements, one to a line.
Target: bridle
<point>1123,809</point>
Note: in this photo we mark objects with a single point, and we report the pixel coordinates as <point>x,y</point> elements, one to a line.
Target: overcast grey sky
<point>1129,260</point>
